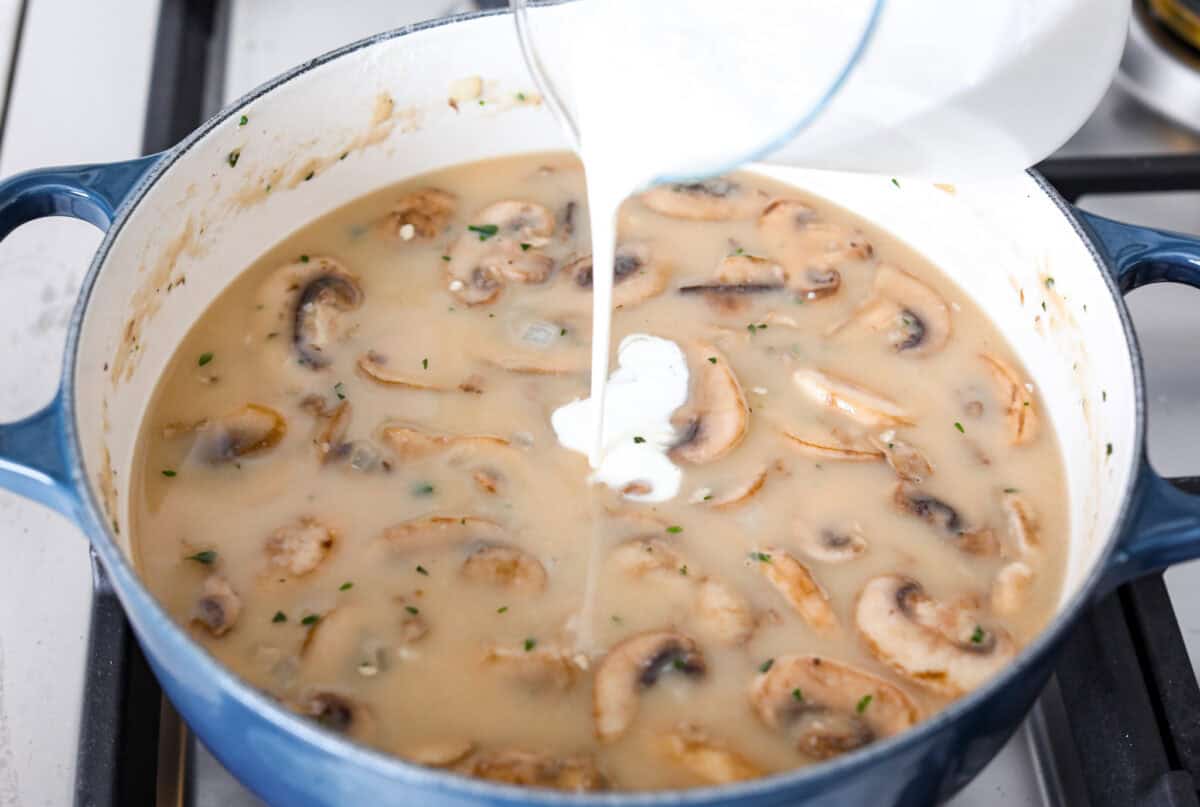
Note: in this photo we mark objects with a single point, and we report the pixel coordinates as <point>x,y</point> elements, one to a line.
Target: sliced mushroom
<point>1011,587</point>
<point>723,613</point>
<point>310,296</point>
<point>503,244</point>
<point>438,753</point>
<point>714,420</point>
<point>796,584</point>
<point>908,462</point>
<point>426,212</point>
<point>830,545</point>
<point>538,669</point>
<point>633,665</point>
<point>692,748</point>
<point>576,774</point>
<point>300,547</point>
<point>218,607</point>
<point>851,400</point>
<point>932,510</point>
<point>433,532</point>
<point>716,199</point>
<point>830,448</point>
<point>641,556</point>
<point>505,566</point>
<point>1022,523</point>
<point>938,645</point>
<point>339,713</point>
<point>330,436</point>
<point>373,366</point>
<point>810,248</point>
<point>915,317</point>
<point>249,430</point>
<point>536,347</point>
<point>828,707</point>
<point>742,274</point>
<point>637,276</point>
<point>411,443</point>
<point>1016,398</point>
<point>739,494</point>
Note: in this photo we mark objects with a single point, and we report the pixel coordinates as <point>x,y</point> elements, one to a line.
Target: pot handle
<point>1164,520</point>
<point>33,451</point>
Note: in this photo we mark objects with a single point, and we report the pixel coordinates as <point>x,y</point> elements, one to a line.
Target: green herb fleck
<point>761,557</point>
<point>562,331</point>
<point>683,570</point>
<point>422,489</point>
<point>345,154</point>
<point>425,363</point>
<point>339,389</point>
<point>1049,282</point>
<point>311,619</point>
<point>445,257</point>
<point>797,695</point>
<point>679,663</point>
<point>243,120</point>
<point>1010,490</point>
<point>708,497</point>
<point>280,616</point>
<point>530,644</point>
<point>310,175</point>
<point>233,158</point>
<point>168,473</point>
<point>412,609</point>
<point>422,570</point>
<point>960,428</point>
<point>739,251</point>
<point>638,439</point>
<point>1043,305</point>
<point>863,703</point>
<point>766,665</point>
<point>977,636</point>
<point>520,96</point>
<point>502,609</point>
<point>712,359</point>
<point>346,586</point>
<point>204,359</point>
<point>303,259</point>
<point>482,102</point>
<point>1103,395</point>
<point>485,231</point>
<point>616,619</point>
<point>207,557</point>
<point>674,529</point>
<point>895,182</point>
<point>525,247</point>
<point>1108,449</point>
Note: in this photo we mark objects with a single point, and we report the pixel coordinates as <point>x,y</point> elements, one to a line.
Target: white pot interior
<point>204,220</point>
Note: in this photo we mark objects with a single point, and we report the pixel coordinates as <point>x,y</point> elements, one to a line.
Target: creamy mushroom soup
<point>351,492</point>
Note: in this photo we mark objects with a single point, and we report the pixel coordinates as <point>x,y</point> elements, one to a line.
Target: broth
<point>349,490</point>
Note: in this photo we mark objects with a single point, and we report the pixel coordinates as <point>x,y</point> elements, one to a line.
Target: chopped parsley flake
<point>422,570</point>
<point>310,175</point>
<point>1043,305</point>
<point>345,154</point>
<point>303,259</point>
<point>233,158</point>
<point>638,439</point>
<point>683,570</point>
<point>243,120</point>
<point>204,359</point>
<point>422,489</point>
<point>207,557</point>
<point>977,636</point>
<point>339,389</point>
<point>1049,282</point>
<point>895,182</point>
<point>752,327</point>
<point>502,609</point>
<point>960,428</point>
<point>712,359</point>
<point>485,231</point>
<point>168,473</point>
<point>425,363</point>
<point>863,703</point>
<point>1108,449</point>
<point>412,609</point>
<point>797,695</point>
<point>520,96</point>
<point>739,251</point>
<point>708,497</point>
<point>766,665</point>
<point>674,529</point>
<point>679,664</point>
<point>616,619</point>
<point>346,586</point>
<point>562,331</point>
<point>1010,490</point>
<point>530,644</point>
<point>311,619</point>
<point>280,616</point>
<point>525,247</point>
<point>761,557</point>
<point>1103,395</point>
<point>445,257</point>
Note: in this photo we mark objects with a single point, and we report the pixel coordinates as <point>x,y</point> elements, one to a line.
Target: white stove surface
<point>78,94</point>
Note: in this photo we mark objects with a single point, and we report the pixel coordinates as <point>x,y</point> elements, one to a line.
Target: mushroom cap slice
<point>793,580</point>
<point>251,429</point>
<point>575,774</point>
<point>692,748</point>
<point>739,494</point>
<point>506,567</point>
<point>904,458</point>
<point>915,317</point>
<point>932,510</point>
<point>373,366</point>
<point>940,646</point>
<point>1022,523</point>
<point>827,706</point>
<point>315,292</point>
<point>412,443</point>
<point>810,248</point>
<point>331,427</point>
<point>641,556</point>
<point>339,713</point>
<point>218,607</point>
<point>539,669</point>
<point>830,545</point>
<point>438,753</point>
<point>632,665</point>
<point>723,613</point>
<point>504,243</point>
<point>851,400</point>
<point>715,418</point>
<point>300,547</point>
<point>427,210</point>
<point>830,448</point>
<point>716,199</point>
<point>442,531</point>
<point>1010,588</point>
<point>637,276</point>
<point>1019,410</point>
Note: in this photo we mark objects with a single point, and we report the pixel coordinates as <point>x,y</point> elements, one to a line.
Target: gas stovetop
<point>1120,722</point>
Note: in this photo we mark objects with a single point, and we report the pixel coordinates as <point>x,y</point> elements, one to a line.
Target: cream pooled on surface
<point>649,384</point>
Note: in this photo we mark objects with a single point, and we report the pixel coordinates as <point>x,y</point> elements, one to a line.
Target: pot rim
<point>134,594</point>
